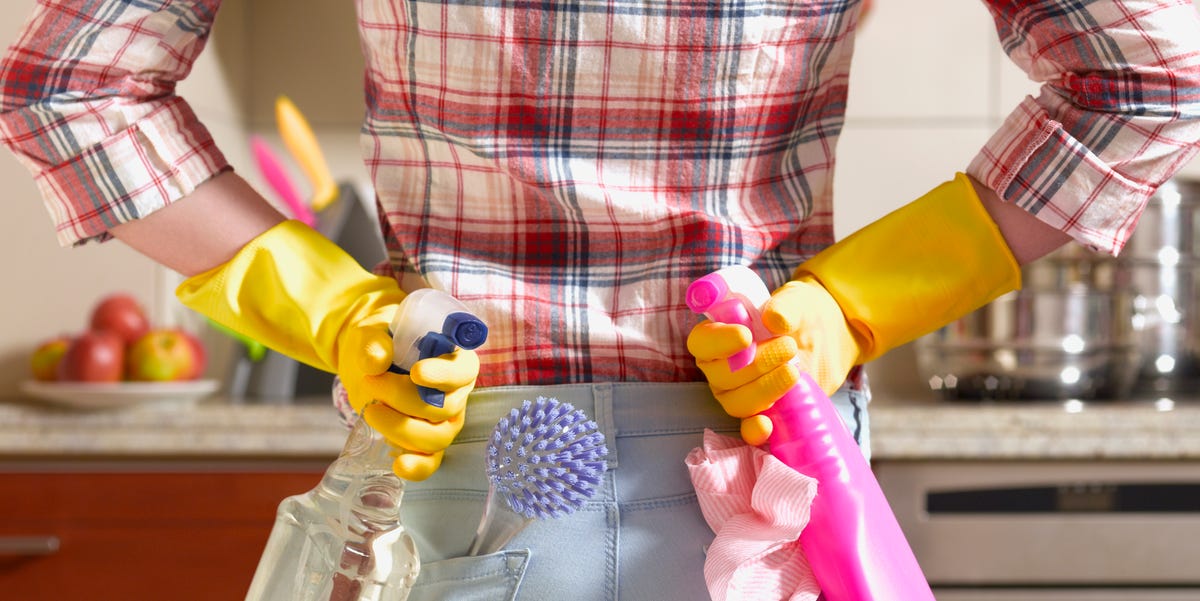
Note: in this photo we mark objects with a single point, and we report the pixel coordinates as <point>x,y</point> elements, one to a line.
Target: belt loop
<point>603,408</point>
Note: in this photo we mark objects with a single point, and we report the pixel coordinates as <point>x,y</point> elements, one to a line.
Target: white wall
<point>50,289</point>
<point>47,288</point>
<point>924,97</point>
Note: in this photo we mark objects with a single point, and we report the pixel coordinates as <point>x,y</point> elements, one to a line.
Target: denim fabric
<point>492,578</point>
<point>641,537</point>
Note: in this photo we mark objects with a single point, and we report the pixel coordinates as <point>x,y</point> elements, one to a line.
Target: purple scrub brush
<point>544,460</point>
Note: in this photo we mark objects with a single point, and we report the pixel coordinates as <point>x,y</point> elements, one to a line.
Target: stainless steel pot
<point>1170,221</point>
<point>1162,259</point>
<point>1086,325</point>
<point>1036,343</point>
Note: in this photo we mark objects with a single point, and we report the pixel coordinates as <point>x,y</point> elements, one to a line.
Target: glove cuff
<point>291,289</point>
<point>917,269</point>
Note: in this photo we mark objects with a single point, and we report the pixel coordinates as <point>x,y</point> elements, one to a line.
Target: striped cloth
<point>567,168</point>
<point>756,506</point>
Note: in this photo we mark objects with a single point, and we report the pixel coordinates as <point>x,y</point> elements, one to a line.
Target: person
<point>566,169</point>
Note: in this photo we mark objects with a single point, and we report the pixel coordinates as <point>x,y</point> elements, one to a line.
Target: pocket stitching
<point>509,571</point>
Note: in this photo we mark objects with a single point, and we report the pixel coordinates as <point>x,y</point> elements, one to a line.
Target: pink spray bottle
<point>852,541</point>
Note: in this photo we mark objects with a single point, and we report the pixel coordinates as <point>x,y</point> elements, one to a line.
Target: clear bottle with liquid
<point>343,540</point>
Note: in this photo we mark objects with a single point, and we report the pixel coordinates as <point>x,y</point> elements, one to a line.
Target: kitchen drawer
<point>137,535</point>
<point>1081,594</point>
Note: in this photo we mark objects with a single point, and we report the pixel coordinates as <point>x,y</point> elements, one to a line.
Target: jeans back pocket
<point>494,577</point>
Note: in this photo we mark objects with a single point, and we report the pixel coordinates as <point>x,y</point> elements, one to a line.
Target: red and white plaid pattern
<point>1118,114</point>
<point>567,168</point>
<point>87,103</point>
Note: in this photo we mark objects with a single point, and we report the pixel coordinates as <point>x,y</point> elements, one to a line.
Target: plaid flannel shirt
<point>567,168</point>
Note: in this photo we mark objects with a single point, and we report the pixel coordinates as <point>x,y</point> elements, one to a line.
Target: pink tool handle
<point>272,170</point>
<point>853,542</point>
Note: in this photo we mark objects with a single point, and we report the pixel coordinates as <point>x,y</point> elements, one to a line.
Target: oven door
<point>1072,594</point>
<point>1058,531</point>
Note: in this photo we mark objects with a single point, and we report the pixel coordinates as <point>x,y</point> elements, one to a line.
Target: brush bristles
<point>546,458</point>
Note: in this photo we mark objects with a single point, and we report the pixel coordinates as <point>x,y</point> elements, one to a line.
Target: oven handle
<point>29,546</point>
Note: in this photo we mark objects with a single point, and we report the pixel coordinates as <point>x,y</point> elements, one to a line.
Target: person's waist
<point>619,408</point>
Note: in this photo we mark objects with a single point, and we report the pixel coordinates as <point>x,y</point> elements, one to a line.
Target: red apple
<point>122,315</point>
<point>43,362</point>
<point>165,355</point>
<point>200,354</point>
<point>94,356</point>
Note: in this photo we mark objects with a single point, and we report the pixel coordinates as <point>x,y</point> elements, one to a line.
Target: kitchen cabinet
<point>185,498</point>
<point>138,530</point>
<point>1022,594</point>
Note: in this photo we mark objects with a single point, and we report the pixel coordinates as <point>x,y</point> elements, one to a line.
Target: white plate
<point>86,395</point>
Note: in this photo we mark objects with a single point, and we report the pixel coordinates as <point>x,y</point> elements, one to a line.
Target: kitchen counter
<point>1161,430</point>
<point>1132,430</point>
<point>208,429</point>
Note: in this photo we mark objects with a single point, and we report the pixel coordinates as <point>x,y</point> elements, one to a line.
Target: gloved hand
<point>303,296</point>
<point>905,275</point>
<point>814,321</point>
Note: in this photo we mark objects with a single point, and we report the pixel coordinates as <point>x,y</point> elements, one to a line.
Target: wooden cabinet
<point>138,534</point>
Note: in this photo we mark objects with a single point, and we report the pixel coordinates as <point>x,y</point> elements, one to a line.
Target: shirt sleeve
<point>1117,115</point>
<point>88,105</point>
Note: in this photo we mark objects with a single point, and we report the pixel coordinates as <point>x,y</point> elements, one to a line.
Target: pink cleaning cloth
<point>757,507</point>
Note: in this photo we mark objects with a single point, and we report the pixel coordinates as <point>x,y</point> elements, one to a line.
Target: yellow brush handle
<point>302,143</point>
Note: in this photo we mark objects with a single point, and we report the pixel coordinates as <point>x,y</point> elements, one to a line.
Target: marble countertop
<point>1131,430</point>
<point>206,429</point>
<point>902,431</point>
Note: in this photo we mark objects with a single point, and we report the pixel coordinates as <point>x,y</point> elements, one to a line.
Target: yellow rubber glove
<point>777,362</point>
<point>905,275</point>
<point>303,296</point>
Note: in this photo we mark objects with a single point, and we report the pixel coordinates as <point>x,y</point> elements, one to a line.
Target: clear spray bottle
<point>343,540</point>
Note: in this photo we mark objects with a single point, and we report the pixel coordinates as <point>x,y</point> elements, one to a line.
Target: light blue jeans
<point>641,537</point>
